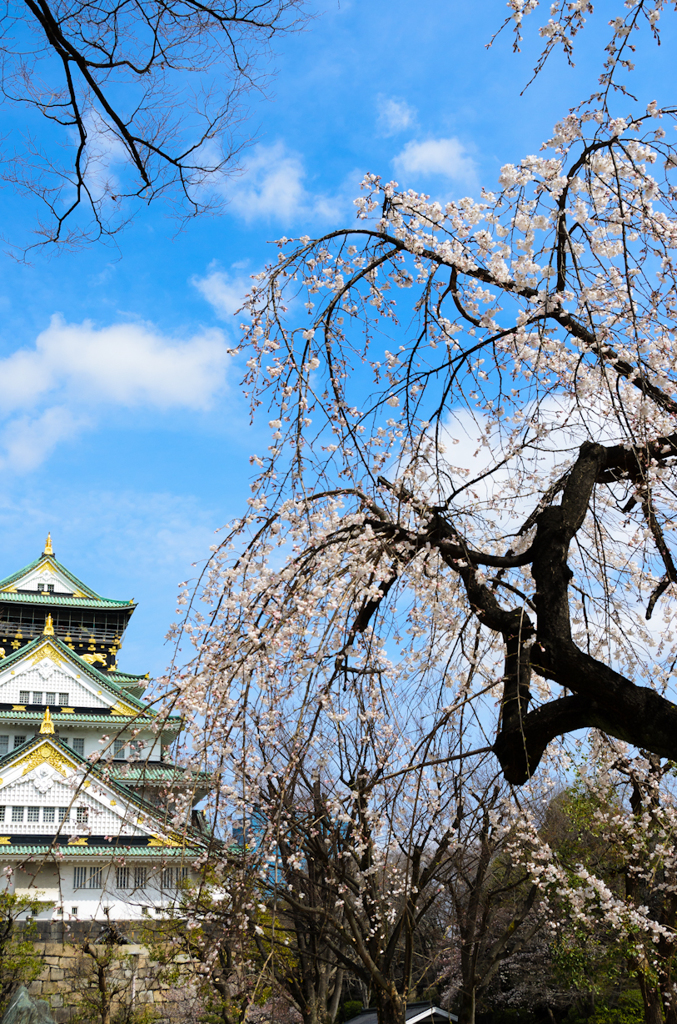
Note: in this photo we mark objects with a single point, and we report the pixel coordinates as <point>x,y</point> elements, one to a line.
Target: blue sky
<point>121,425</point>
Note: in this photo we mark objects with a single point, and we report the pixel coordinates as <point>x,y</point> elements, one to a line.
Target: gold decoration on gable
<point>47,727</point>
<point>5,841</point>
<point>45,754</point>
<point>78,593</point>
<point>122,709</point>
<point>77,841</point>
<point>47,650</point>
<point>159,841</point>
<point>45,567</point>
<point>9,590</point>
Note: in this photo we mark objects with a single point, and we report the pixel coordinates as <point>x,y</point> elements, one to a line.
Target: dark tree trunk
<point>653,1009</point>
<point>466,1006</point>
<point>391,1007</point>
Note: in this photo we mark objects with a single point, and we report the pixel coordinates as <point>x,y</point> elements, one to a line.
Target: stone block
<point>35,988</point>
<point>56,974</point>
<point>53,961</point>
<point>55,949</point>
<point>56,1000</point>
<point>49,987</point>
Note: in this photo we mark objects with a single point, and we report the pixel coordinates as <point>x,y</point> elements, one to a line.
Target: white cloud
<point>271,187</point>
<point>27,441</point>
<point>394,115</point>
<point>126,364</point>
<point>445,157</point>
<point>53,391</point>
<point>224,292</point>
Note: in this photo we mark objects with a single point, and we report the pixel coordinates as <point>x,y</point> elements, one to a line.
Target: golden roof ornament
<point>49,626</point>
<point>47,727</point>
<point>48,545</point>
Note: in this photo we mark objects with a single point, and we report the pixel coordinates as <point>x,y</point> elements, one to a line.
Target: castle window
<point>140,878</point>
<point>34,814</point>
<point>17,814</point>
<point>2,812</point>
<point>79,878</point>
<point>24,696</point>
<point>50,698</point>
<point>37,696</point>
<point>119,748</point>
<point>82,815</point>
<point>48,814</point>
<point>95,878</point>
<point>63,814</point>
<point>63,698</point>
<point>4,745</point>
<point>74,911</point>
<point>19,741</point>
<point>78,745</point>
<point>122,878</point>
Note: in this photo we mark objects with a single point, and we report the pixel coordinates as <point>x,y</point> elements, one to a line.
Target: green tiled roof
<point>62,600</point>
<point>126,677</point>
<point>93,719</point>
<point>77,584</point>
<point>114,850</point>
<point>152,773</point>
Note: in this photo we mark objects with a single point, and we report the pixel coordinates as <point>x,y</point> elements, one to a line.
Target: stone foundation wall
<point>67,971</point>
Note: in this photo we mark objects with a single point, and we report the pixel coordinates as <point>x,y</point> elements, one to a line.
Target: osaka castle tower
<point>93,818</point>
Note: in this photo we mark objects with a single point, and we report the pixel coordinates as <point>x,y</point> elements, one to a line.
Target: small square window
<point>4,745</point>
<point>63,698</point>
<point>48,814</point>
<point>50,698</point>
<point>37,696</point>
<point>19,741</point>
<point>78,745</point>
<point>17,814</point>
<point>34,814</point>
<point>74,911</point>
<point>82,815</point>
<point>63,814</point>
<point>24,696</point>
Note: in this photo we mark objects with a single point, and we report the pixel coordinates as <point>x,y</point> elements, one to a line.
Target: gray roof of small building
<point>425,1013</point>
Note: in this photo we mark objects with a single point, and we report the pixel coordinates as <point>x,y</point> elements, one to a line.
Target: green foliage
<point>20,964</point>
<point>102,978</point>
<point>588,963</point>
<point>348,1010</point>
<point>630,1010</point>
<point>513,1015</point>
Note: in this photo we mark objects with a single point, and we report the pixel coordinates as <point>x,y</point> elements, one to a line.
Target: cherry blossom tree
<point>459,545</point>
<point>525,570</point>
<point>629,897</point>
